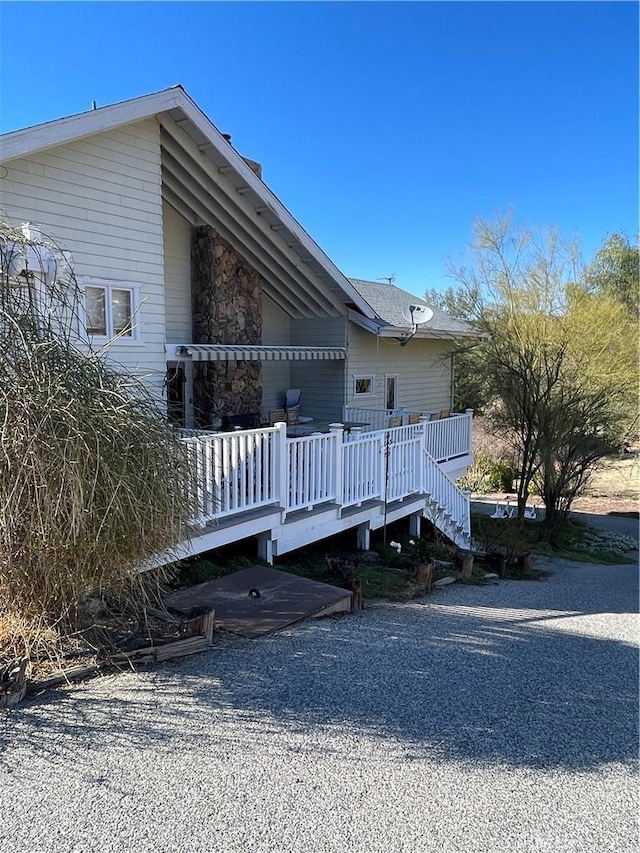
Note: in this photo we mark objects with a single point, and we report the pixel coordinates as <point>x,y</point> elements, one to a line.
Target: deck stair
<point>446,506</point>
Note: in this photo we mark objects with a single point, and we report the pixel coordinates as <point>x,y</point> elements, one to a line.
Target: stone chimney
<point>255,167</point>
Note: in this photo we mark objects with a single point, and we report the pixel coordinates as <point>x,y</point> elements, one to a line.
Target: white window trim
<point>135,339</point>
<point>371,393</point>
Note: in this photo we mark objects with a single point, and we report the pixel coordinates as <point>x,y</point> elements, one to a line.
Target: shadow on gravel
<point>454,677</point>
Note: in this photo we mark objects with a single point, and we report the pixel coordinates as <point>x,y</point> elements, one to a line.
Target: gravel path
<point>499,718</point>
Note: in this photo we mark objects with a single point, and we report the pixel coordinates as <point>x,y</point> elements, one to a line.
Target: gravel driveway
<point>499,718</point>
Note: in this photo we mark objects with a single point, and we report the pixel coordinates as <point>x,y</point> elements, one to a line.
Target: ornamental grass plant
<point>92,480</point>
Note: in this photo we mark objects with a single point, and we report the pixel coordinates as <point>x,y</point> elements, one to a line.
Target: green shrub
<point>488,474</point>
<point>502,475</point>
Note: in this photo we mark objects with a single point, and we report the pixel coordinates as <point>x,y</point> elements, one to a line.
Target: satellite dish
<point>417,315</point>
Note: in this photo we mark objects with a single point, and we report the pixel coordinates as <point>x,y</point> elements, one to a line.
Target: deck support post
<point>414,524</point>
<point>265,547</point>
<point>363,533</point>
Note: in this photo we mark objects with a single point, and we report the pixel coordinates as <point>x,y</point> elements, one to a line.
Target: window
<point>363,386</point>
<point>110,310</point>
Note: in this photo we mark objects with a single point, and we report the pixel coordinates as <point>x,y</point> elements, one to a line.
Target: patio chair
<point>395,422</point>
<point>292,408</point>
<point>414,418</point>
<point>277,416</point>
<point>292,398</point>
<point>503,510</point>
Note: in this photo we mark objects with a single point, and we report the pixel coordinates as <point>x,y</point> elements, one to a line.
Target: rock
<point>226,292</point>
<point>367,557</point>
<point>443,582</point>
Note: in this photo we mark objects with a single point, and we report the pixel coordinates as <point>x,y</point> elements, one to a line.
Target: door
<point>391,392</point>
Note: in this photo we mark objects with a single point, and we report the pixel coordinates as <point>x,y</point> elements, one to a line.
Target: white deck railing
<point>234,471</point>
<point>445,438</point>
<point>248,469</point>
<point>449,437</point>
<point>312,471</point>
<point>362,469</point>
<point>376,418</point>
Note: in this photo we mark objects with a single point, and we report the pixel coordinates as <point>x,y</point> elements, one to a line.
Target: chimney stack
<point>255,167</point>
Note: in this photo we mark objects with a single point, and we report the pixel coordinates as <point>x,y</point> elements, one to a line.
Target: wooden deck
<point>291,492</point>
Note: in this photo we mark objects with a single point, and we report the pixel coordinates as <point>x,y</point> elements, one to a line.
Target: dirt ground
<point>614,488</point>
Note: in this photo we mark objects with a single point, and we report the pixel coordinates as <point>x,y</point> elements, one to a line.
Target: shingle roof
<point>389,302</point>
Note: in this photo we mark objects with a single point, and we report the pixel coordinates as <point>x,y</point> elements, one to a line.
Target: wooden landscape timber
<point>199,639</point>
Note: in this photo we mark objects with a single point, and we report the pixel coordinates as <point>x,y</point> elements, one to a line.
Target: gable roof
<point>200,163</point>
<point>390,302</point>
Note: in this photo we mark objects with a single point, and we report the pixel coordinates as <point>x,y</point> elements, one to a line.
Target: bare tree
<point>554,361</point>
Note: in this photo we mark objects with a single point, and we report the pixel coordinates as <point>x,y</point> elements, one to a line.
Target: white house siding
<point>322,388</point>
<point>275,324</point>
<point>325,332</point>
<point>275,374</point>
<point>321,382</point>
<point>177,276</point>
<point>423,369</point>
<point>100,197</point>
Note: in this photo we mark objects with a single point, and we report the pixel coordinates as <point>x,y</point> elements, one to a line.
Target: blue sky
<point>385,128</point>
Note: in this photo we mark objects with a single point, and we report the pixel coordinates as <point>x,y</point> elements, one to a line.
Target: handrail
<point>449,500</point>
<point>447,438</point>
<point>234,471</point>
<point>238,471</point>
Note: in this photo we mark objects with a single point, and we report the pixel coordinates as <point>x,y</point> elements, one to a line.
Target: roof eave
<point>21,143</point>
<point>248,176</point>
<point>374,326</point>
<point>424,334</point>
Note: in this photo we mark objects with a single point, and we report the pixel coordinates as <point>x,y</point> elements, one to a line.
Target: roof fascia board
<point>31,140</point>
<point>382,330</point>
<point>424,334</point>
<point>373,326</point>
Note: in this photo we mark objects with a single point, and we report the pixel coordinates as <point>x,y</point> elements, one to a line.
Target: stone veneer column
<point>226,296</point>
